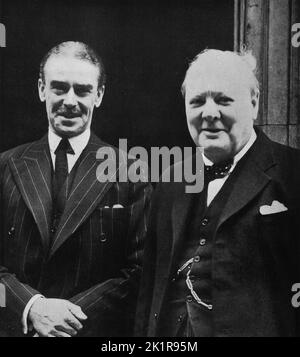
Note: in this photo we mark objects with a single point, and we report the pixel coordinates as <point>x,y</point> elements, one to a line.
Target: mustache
<point>68,113</point>
<point>60,109</point>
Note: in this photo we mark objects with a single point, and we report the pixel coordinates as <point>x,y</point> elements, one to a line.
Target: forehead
<point>70,69</point>
<point>217,76</point>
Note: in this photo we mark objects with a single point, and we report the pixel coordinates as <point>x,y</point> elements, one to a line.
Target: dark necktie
<point>217,171</point>
<point>61,165</point>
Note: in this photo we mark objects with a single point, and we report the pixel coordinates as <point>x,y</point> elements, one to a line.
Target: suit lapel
<point>85,194</point>
<point>249,176</point>
<point>32,174</point>
<point>181,211</point>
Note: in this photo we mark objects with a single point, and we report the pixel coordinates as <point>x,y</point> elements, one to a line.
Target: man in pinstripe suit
<point>70,254</point>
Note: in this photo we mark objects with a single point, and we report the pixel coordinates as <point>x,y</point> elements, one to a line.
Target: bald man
<point>223,262</point>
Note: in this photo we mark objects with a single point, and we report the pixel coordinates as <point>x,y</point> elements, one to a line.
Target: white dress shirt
<point>78,144</point>
<point>215,186</point>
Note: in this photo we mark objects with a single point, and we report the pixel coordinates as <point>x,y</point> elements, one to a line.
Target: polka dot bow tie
<point>217,171</point>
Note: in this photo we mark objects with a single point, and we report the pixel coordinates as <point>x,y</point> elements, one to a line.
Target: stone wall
<point>265,27</point>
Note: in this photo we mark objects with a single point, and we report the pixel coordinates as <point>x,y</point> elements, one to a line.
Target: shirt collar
<point>78,142</point>
<point>239,155</point>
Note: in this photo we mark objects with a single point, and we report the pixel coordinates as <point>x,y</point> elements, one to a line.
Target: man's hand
<point>56,317</point>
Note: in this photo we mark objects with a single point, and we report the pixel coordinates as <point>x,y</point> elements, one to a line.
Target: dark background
<point>145,45</point>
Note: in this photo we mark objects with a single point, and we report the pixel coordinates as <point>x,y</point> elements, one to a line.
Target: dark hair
<point>78,50</point>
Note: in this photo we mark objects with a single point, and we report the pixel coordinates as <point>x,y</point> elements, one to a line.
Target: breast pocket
<point>279,232</point>
<point>274,225</point>
<point>274,217</point>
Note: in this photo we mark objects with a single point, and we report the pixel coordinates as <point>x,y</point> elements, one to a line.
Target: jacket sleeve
<point>14,294</point>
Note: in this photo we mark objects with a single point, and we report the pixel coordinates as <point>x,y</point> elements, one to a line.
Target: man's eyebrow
<point>58,84</point>
<point>223,95</point>
<point>86,87</point>
<point>198,97</point>
<point>216,95</point>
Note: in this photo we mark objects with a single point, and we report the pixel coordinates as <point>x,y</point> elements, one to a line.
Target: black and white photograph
<point>149,171</point>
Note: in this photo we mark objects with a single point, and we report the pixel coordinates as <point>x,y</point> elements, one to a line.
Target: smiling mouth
<point>69,116</point>
<point>212,131</point>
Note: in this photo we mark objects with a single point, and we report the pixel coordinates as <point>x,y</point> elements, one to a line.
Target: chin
<point>210,143</point>
<point>73,129</point>
<point>66,132</point>
<point>217,154</point>
<point>215,149</point>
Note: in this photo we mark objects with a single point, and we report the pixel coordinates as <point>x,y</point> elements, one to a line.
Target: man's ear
<point>100,94</point>
<point>255,103</point>
<point>41,88</point>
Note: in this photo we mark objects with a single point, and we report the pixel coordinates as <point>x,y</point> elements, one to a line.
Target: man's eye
<point>224,101</point>
<point>82,91</point>
<point>59,90</point>
<point>197,103</point>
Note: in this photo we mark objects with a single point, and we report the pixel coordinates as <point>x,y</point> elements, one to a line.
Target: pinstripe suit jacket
<point>95,256</point>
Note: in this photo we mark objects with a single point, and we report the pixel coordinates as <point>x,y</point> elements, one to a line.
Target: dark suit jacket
<point>256,258</point>
<point>94,259</point>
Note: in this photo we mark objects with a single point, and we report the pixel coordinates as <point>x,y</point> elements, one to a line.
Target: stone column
<point>265,27</point>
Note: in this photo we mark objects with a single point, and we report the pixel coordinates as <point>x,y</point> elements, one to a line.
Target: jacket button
<point>189,298</point>
<point>180,318</point>
<point>204,222</point>
<point>55,216</point>
<point>197,259</point>
<point>102,237</point>
<point>202,241</point>
<point>11,231</point>
<point>155,316</point>
<point>52,230</point>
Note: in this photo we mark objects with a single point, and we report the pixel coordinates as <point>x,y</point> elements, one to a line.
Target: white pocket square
<point>115,206</point>
<point>118,206</point>
<point>275,207</point>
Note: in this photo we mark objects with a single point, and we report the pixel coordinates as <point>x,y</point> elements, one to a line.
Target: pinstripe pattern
<point>95,257</point>
<point>33,178</point>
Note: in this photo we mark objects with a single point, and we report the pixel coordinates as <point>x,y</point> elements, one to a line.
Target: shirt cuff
<point>26,311</point>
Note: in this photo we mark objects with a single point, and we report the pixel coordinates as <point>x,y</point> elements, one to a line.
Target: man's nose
<point>70,98</point>
<point>210,110</point>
